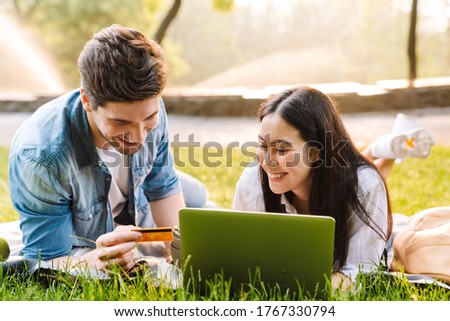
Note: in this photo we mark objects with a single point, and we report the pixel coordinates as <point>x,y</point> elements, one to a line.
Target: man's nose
<point>138,134</point>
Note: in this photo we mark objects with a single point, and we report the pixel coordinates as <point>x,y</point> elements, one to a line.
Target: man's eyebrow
<point>128,121</point>
<point>119,120</point>
<point>156,112</point>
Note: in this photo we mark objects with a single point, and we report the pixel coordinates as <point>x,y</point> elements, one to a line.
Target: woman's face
<point>284,156</point>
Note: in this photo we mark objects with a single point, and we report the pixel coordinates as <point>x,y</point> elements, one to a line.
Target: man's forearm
<point>165,211</point>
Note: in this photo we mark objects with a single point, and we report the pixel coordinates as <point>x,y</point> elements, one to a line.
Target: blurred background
<point>375,58</point>
<point>232,43</point>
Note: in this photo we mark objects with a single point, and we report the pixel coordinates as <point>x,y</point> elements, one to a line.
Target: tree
<point>63,26</point>
<point>170,16</point>
<point>220,5</point>
<point>25,11</point>
<point>412,44</point>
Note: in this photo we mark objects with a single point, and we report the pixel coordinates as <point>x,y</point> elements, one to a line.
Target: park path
<point>363,127</point>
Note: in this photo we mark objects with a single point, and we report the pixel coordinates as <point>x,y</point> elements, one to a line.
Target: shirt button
<point>147,170</point>
<point>90,216</point>
<point>99,163</point>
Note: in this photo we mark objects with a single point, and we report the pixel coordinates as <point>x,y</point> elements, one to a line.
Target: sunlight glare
<point>36,64</point>
<point>259,6</point>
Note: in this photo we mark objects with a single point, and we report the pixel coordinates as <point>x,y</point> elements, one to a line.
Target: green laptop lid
<point>287,250</point>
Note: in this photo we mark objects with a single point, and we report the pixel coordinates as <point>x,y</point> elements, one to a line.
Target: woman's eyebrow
<point>286,143</point>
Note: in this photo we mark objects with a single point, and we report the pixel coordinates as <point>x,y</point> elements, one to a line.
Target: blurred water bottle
<point>176,246</point>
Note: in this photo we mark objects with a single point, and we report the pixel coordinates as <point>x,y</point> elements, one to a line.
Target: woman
<point>308,165</point>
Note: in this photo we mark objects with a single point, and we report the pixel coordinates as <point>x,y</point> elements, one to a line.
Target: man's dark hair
<point>122,65</point>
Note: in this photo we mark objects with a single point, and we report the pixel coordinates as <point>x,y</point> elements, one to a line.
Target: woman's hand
<point>340,280</point>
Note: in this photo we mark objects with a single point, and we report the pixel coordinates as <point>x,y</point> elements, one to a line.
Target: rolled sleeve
<point>161,185</point>
<point>366,245</point>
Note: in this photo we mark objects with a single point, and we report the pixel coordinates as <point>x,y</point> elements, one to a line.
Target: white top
<point>365,245</point>
<point>120,180</point>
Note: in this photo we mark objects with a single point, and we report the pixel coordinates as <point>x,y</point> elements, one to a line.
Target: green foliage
<point>178,67</point>
<point>223,5</point>
<point>331,41</point>
<point>346,40</point>
<point>151,7</point>
<point>64,26</point>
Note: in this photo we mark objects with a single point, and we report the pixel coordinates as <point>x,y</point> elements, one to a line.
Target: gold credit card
<point>155,234</point>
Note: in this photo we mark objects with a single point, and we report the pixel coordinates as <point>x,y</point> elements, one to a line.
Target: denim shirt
<point>59,184</point>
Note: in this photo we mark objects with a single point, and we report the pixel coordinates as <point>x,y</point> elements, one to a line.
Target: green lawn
<point>7,212</point>
<point>414,185</point>
<point>417,184</point>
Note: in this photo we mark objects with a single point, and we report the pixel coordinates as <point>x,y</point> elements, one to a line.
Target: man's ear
<point>85,101</point>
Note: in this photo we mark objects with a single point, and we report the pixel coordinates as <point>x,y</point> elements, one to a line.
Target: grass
<point>7,212</point>
<point>418,184</point>
<point>377,287</point>
<point>414,185</point>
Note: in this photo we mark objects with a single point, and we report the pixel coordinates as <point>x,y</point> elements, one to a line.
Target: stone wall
<point>20,103</point>
<point>398,99</point>
<point>242,102</point>
<point>348,102</point>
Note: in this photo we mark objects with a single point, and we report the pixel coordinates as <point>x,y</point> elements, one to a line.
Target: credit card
<point>155,234</point>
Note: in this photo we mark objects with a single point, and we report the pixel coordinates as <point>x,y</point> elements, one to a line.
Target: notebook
<point>287,250</point>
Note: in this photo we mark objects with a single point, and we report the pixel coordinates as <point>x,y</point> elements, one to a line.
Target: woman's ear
<point>85,101</point>
<point>313,154</point>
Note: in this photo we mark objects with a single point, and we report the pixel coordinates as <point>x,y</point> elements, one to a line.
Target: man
<point>91,165</point>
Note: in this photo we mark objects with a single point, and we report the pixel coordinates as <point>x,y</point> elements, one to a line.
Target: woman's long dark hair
<point>334,178</point>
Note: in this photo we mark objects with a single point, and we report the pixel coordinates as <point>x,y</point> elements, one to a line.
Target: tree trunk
<point>159,35</point>
<point>412,44</point>
<point>24,14</point>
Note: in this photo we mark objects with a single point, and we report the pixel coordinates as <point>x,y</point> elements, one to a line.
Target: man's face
<point>123,125</point>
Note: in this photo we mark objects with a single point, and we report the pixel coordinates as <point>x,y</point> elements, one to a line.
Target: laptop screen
<point>289,251</point>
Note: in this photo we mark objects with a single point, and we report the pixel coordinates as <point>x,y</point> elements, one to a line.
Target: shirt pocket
<point>89,222</point>
<point>90,212</point>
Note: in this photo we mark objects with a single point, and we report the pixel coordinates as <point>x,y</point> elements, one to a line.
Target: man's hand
<point>114,249</point>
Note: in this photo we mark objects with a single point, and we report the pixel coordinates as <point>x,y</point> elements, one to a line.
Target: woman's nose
<point>269,159</point>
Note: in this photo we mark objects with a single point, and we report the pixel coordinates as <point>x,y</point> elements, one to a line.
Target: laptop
<point>283,250</point>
